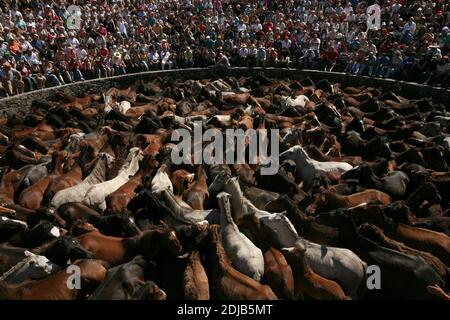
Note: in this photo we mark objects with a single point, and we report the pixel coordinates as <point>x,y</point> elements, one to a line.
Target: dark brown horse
<point>117,250</point>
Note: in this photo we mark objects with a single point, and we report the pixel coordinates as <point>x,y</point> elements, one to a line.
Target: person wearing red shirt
<point>268,26</point>
<point>104,52</point>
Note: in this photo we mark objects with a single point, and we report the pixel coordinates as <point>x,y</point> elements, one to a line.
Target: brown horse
<point>436,243</point>
<point>181,179</point>
<point>308,282</point>
<point>197,193</point>
<point>31,197</point>
<point>117,250</point>
<point>117,201</point>
<point>55,286</point>
<point>277,272</point>
<point>374,233</point>
<point>195,280</point>
<point>326,200</point>
<point>64,181</point>
<point>229,283</point>
<point>7,187</point>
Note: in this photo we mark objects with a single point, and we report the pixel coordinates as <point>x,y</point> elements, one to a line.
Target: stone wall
<point>409,90</point>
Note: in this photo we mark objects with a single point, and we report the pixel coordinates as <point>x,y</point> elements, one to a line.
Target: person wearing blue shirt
<point>151,20</point>
<point>11,79</point>
<point>37,43</point>
<point>408,65</point>
<point>382,65</point>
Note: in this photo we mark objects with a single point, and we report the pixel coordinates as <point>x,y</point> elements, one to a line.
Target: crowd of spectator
<point>41,46</point>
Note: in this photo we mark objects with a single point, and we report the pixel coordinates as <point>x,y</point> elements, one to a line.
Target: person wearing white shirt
<point>348,9</point>
<point>286,44</point>
<point>410,26</point>
<point>81,53</point>
<point>123,27</point>
<point>395,8</point>
<point>72,41</point>
<point>241,27</point>
<point>315,44</point>
<point>371,47</point>
<point>243,53</point>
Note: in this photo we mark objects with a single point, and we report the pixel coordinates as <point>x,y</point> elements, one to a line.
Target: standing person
<point>123,25</point>
<point>261,56</point>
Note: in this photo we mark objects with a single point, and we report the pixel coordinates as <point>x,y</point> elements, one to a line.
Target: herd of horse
<point>363,181</point>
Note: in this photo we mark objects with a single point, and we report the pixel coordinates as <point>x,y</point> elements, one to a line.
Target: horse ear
<point>283,213</point>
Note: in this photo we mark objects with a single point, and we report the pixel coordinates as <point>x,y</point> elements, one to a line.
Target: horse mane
<point>398,212</point>
<point>15,268</point>
<point>334,200</point>
<point>87,153</point>
<point>376,234</point>
<point>314,152</point>
<point>219,254</point>
<point>99,170</point>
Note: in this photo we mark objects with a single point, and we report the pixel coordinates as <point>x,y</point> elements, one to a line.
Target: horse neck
<point>295,215</point>
<point>98,173</point>
<point>304,160</point>
<point>142,243</point>
<point>334,200</point>
<point>227,220</point>
<point>220,260</point>
<point>132,168</point>
<point>59,167</point>
<point>318,153</point>
<point>14,268</point>
<point>102,141</point>
<point>237,196</point>
<point>7,185</point>
<point>258,236</point>
<point>299,264</point>
<point>200,182</point>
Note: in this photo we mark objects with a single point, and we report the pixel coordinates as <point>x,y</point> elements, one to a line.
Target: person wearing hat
<point>11,79</point>
<point>37,43</point>
<point>243,53</point>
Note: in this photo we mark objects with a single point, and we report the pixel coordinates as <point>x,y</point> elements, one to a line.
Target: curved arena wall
<point>406,89</point>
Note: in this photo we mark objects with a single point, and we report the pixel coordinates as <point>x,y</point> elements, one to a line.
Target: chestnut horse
<point>54,287</point>
<point>229,283</point>
<point>116,250</point>
<point>31,197</point>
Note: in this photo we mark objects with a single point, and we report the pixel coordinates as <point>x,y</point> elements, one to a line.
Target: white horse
<point>32,267</point>
<point>123,106</point>
<point>309,168</point>
<point>245,256</point>
<point>96,194</point>
<point>183,213</point>
<point>161,181</point>
<point>338,264</point>
<point>299,102</point>
<point>240,205</point>
<point>77,193</point>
